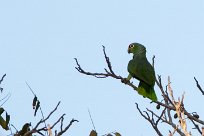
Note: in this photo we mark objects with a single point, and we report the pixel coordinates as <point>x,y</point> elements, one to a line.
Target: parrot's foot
<point>125,80</point>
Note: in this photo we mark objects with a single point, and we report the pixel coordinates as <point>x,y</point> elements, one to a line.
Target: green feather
<point>141,69</point>
<point>147,91</point>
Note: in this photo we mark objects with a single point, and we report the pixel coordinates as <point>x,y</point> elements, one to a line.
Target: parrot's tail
<point>147,91</point>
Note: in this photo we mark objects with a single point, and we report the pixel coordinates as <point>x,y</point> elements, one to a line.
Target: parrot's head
<point>136,48</point>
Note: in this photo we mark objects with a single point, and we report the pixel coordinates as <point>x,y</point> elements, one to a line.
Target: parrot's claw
<point>125,80</point>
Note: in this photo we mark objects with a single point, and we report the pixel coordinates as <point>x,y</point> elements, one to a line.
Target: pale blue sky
<point>39,39</point>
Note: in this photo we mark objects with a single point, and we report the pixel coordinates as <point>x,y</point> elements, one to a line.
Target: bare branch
<point>168,122</point>
<point>67,127</point>
<point>91,120</point>
<point>97,75</point>
<point>107,73</point>
<point>198,85</point>
<point>51,112</point>
<point>108,61</point>
<point>6,98</point>
<point>61,126</point>
<point>179,110</point>
<point>30,89</point>
<point>151,120</point>
<point>61,118</point>
<point>165,96</point>
<point>1,89</point>
<point>196,127</point>
<point>2,78</point>
<point>159,118</point>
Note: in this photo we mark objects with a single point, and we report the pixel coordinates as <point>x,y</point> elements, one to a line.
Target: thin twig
<point>168,122</point>
<point>30,88</point>
<point>199,87</point>
<point>61,126</point>
<point>2,78</point>
<point>6,97</point>
<point>1,89</point>
<point>68,126</point>
<point>92,120</point>
<point>107,73</point>
<point>51,112</point>
<point>196,127</point>
<point>165,96</point>
<point>108,61</point>
<point>61,118</point>
<point>151,120</point>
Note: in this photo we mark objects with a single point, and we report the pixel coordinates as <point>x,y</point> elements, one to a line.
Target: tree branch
<point>67,127</point>
<point>198,85</point>
<point>2,78</point>
<point>1,89</point>
<point>108,73</point>
<point>45,129</point>
<point>151,120</point>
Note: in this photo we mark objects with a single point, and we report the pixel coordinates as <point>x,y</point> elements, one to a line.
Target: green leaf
<point>93,133</point>
<point>1,110</point>
<point>3,123</point>
<point>7,118</point>
<point>117,134</point>
<point>37,107</point>
<point>34,101</point>
<point>25,129</point>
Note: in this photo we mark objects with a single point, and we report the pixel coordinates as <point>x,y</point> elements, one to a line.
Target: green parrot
<point>142,70</point>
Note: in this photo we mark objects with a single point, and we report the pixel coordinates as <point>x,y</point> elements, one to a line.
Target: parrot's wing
<point>142,70</point>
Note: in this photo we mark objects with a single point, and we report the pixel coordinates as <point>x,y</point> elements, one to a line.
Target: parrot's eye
<point>131,46</point>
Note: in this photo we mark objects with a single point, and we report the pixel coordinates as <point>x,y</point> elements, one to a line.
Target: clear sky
<point>39,39</point>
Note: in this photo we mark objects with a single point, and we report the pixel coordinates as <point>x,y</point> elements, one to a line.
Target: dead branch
<point>67,127</point>
<point>165,95</point>
<point>198,85</point>
<point>2,78</point>
<point>163,119</point>
<point>179,109</point>
<point>108,72</point>
<point>151,119</point>
<point>1,89</point>
<point>196,127</point>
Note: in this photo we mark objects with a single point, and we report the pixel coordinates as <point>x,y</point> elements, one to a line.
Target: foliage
<point>28,129</point>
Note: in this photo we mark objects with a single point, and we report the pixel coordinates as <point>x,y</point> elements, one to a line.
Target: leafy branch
<point>60,120</point>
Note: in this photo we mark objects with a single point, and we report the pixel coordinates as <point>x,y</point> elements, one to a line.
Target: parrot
<point>140,69</point>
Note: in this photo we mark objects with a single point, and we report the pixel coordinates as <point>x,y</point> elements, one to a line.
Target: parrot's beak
<point>129,50</point>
